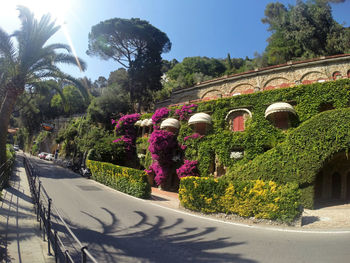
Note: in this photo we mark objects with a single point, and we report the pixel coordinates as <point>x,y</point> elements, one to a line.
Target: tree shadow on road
<point>156,240</point>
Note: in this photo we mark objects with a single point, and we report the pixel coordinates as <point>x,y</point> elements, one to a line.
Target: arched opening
<point>348,73</point>
<point>336,185</point>
<point>319,186</point>
<point>348,187</point>
<point>336,75</point>
<point>332,184</point>
<point>326,106</point>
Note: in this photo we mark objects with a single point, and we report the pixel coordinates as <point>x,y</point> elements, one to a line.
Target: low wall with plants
<point>301,156</point>
<point>254,198</point>
<point>127,180</point>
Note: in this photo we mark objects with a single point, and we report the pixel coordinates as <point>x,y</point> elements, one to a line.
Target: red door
<point>238,123</point>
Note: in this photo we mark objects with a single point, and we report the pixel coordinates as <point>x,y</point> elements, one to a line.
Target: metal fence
<point>5,171</point>
<point>48,217</point>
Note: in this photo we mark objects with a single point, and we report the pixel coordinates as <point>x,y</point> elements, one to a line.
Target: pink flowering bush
<point>185,111</point>
<point>160,172</point>
<point>189,168</point>
<point>160,114</point>
<point>125,127</point>
<point>162,145</point>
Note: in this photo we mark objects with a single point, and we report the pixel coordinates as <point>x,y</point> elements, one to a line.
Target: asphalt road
<point>120,228</point>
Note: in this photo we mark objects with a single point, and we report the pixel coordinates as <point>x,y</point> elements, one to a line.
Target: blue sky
<point>209,28</point>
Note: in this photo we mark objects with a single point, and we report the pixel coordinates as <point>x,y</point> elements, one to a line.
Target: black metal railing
<point>45,212</point>
<point>5,172</point>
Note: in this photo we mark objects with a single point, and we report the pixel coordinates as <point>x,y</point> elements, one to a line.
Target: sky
<point>211,28</point>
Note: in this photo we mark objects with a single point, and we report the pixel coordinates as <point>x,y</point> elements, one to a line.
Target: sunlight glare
<point>58,9</point>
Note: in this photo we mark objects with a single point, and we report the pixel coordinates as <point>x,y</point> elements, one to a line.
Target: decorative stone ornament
<point>279,107</point>
<point>200,122</point>
<point>280,114</point>
<point>200,118</point>
<point>170,122</point>
<point>171,125</point>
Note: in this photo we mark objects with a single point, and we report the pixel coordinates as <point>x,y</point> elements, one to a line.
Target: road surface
<point>120,228</point>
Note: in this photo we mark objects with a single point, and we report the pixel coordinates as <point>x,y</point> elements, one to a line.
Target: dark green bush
<point>127,180</point>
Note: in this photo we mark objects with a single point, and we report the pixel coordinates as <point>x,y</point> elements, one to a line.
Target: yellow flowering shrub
<point>127,180</point>
<point>254,198</point>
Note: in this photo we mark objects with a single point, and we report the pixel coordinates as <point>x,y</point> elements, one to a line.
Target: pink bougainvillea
<point>125,127</point>
<point>160,172</point>
<point>159,114</point>
<point>162,145</point>
<point>189,168</point>
<point>185,111</point>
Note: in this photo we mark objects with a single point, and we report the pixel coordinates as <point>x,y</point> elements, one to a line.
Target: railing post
<point>44,222</point>
<point>38,198</point>
<point>66,256</point>
<point>83,255</point>
<point>55,246</point>
<point>39,215</point>
<point>48,231</point>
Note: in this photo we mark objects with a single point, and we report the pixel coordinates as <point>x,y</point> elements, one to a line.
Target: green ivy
<point>304,152</point>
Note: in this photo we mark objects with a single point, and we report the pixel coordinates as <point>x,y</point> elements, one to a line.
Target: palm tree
<point>28,63</point>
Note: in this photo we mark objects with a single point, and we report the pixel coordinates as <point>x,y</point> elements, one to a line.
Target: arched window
<point>237,118</point>
<point>336,75</point>
<point>348,73</point>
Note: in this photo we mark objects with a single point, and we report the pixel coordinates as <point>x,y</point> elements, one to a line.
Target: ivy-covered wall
<point>260,135</point>
<point>295,155</point>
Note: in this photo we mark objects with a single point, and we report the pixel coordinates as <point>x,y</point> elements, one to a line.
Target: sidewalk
<point>20,239</point>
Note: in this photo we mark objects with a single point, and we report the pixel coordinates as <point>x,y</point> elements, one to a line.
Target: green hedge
<point>127,180</point>
<point>304,152</point>
<point>7,168</point>
<point>245,198</point>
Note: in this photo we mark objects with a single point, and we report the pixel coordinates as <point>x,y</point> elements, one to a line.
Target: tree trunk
<point>6,109</point>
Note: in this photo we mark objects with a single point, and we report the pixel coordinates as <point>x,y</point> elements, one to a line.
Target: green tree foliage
<point>74,102</point>
<point>305,30</point>
<point>28,63</point>
<point>136,45</point>
<point>110,104</point>
<point>119,77</point>
<point>82,136</point>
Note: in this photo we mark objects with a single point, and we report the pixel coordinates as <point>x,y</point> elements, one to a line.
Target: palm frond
<point>7,49</point>
<point>77,83</point>
<point>69,59</point>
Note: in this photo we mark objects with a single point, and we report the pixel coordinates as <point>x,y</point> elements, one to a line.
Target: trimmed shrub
<point>127,180</point>
<point>254,198</point>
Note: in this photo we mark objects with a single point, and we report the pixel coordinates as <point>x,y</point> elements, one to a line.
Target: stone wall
<point>280,76</point>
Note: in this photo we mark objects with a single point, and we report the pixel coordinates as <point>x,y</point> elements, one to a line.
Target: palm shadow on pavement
<point>154,240</point>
